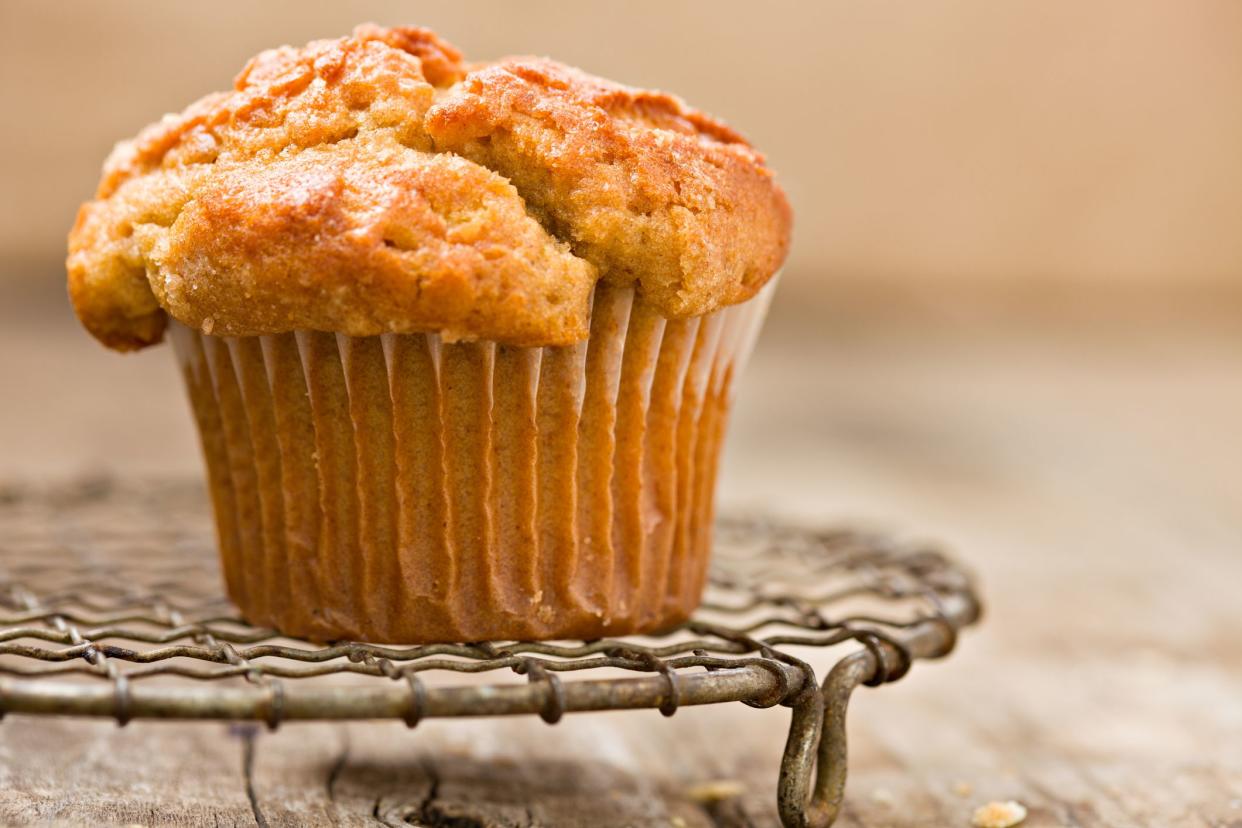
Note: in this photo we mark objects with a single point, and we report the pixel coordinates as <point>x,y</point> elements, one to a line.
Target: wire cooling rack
<point>111,605</point>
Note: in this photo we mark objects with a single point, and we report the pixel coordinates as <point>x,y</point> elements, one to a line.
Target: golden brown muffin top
<point>377,184</point>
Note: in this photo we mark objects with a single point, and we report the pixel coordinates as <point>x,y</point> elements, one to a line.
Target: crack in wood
<point>433,812</point>
<point>342,759</point>
<point>248,735</point>
<point>430,815</point>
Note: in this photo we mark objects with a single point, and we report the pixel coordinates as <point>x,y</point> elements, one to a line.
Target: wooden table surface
<point>1091,476</point>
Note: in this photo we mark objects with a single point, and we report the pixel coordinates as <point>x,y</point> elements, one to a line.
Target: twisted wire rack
<point>111,605</point>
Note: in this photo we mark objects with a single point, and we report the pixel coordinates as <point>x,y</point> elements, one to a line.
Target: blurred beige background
<point>941,154</point>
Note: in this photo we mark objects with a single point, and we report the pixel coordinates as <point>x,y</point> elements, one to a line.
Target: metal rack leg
<point>817,746</point>
<point>817,741</point>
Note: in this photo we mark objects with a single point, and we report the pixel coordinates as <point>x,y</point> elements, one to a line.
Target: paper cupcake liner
<point>400,488</point>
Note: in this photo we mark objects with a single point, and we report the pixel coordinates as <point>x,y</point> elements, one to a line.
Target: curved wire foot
<point>817,740</point>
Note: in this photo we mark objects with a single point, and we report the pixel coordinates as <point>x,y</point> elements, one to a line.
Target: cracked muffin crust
<point>379,184</point>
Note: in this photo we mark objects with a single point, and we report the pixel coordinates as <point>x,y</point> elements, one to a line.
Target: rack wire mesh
<point>111,605</point>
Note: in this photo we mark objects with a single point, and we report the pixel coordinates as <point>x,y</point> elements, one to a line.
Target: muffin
<point>460,338</point>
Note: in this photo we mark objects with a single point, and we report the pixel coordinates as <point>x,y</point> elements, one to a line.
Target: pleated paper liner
<point>403,489</point>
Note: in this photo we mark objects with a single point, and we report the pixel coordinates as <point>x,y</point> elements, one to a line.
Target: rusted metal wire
<point>110,605</point>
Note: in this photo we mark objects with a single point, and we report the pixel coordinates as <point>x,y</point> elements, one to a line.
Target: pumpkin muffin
<point>460,338</point>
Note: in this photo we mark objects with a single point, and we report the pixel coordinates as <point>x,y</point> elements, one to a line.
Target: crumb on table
<point>998,815</point>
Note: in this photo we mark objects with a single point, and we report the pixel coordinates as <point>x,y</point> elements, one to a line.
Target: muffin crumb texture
<point>999,815</point>
<point>380,184</point>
